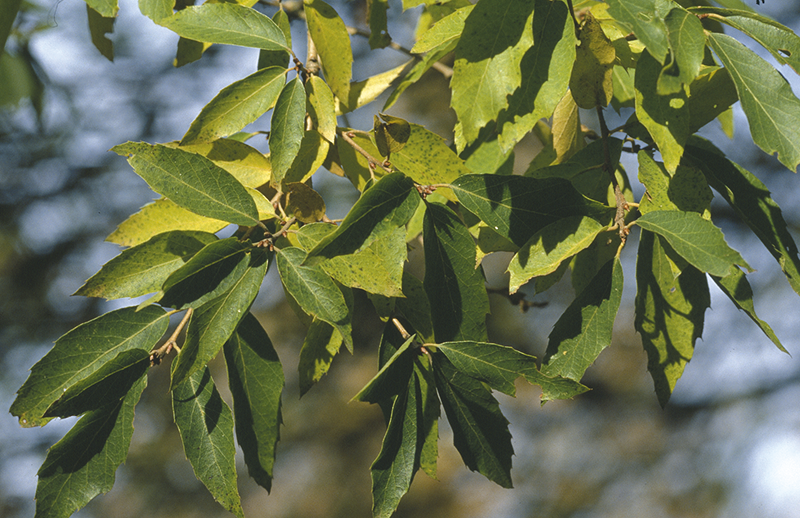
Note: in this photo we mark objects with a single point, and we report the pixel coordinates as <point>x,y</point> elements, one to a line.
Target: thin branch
<point>156,355</point>
<point>517,299</point>
<point>400,328</point>
<point>443,69</point>
<point>622,205</point>
<point>347,136</point>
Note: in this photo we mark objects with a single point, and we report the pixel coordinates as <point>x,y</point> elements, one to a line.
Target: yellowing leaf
<point>590,82</point>
<point>333,45</point>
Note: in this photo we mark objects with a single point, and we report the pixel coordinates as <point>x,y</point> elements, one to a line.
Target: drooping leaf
<point>444,32</point>
<point>391,133</point>
<point>751,200</point>
<point>81,352</point>
<point>480,431</point>
<point>321,344</point>
<point>669,313</point>
<point>646,19</point>
<point>687,47</point>
<point>161,216</point>
<point>393,376</point>
<point>192,181</point>
<point>499,366</point>
<point>105,8</point>
<point>215,321</point>
<point>82,464</point>
<point>455,288</point>
<point>287,129</point>
<point>99,26</point>
<point>568,136</point>
<point>209,273</point>
<point>429,417</point>
<point>517,207</point>
<point>737,288</point>
<point>142,269</point>
<point>376,269</point>
<point>310,157</point>
<point>304,203</point>
<point>378,31</point>
<point>585,328</point>
<point>666,117</point>
<point>256,380</point>
<point>227,23</point>
<point>385,206</point>
<point>545,251</point>
<point>767,99</point>
<point>237,105</point>
<point>695,239</point>
<point>415,306</point>
<point>333,44</point>
<point>105,386</point>
<point>314,291</point>
<point>496,35</point>
<point>590,82</point>
<point>206,427</point>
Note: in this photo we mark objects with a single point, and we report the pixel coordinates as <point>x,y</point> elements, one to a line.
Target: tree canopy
<point>516,68</point>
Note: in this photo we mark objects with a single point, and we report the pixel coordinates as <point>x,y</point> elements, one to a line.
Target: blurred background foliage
<point>728,443</point>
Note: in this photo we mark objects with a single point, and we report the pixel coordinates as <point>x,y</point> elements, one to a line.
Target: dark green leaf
<point>206,427</point>
<point>695,239</point>
<point>517,207</point>
<point>144,268</point>
<point>751,200</point>
<point>82,464</point>
<point>669,312</point>
<point>455,288</point>
<point>415,306</point>
<point>767,99</point>
<point>646,19</point>
<point>590,82</point>
<point>480,431</point>
<point>106,8</point>
<point>192,181</point>
<point>256,380</point>
<point>687,47</point>
<point>8,13</point>
<point>385,206</point>
<point>710,95</point>
<point>445,33</point>
<point>321,344</point>
<point>585,328</point>
<point>378,32</point>
<point>237,105</point>
<point>82,351</point>
<point>391,133</point>
<point>105,386</point>
<point>392,377</point>
<point>213,322</point>
<point>227,23</point>
<point>288,127</point>
<point>99,26</point>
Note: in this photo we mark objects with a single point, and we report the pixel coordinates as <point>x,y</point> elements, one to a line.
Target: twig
<point>443,69</point>
<point>400,328</point>
<point>156,355</point>
<point>347,136</point>
<point>622,205</point>
<point>517,299</point>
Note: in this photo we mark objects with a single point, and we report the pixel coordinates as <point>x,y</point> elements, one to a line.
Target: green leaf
<point>366,91</point>
<point>710,95</point>
<point>227,23</point>
<point>391,133</point>
<point>376,269</point>
<point>687,190</point>
<point>496,35</point>
<point>8,13</point>
<point>143,269</point>
<point>314,291</point>
<point>82,464</point>
<point>687,47</point>
<point>499,366</point>
<point>416,72</point>
<point>105,8</point>
<point>206,428</point>
<point>546,69</point>
<point>517,207</point>
<point>378,31</point>
<point>429,424</point>
<point>779,40</point>
<point>736,287</point>
<point>585,328</point>
<point>215,321</point>
<point>99,26</point>
<point>666,117</point>
<point>646,19</point>
<point>767,99</point>
<point>161,216</point>
<point>398,460</point>
<point>256,380</point>
<point>309,158</point>
<point>321,344</point>
<point>245,163</point>
<point>81,352</point>
<point>590,82</point>
<point>443,33</point>
<point>210,272</point>
<point>695,239</point>
<point>192,181</point>
<point>455,288</point>
<point>303,202</point>
<point>156,10</point>
<point>105,386</point>
<point>480,431</point>
<point>237,105</point>
<point>320,107</point>
<point>427,159</point>
<point>751,200</point>
<point>550,246</point>
<point>669,313</point>
<point>333,44</point>
<point>279,58</point>
<point>288,127</point>
<point>385,206</point>
<point>415,306</point>
<point>392,377</point>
